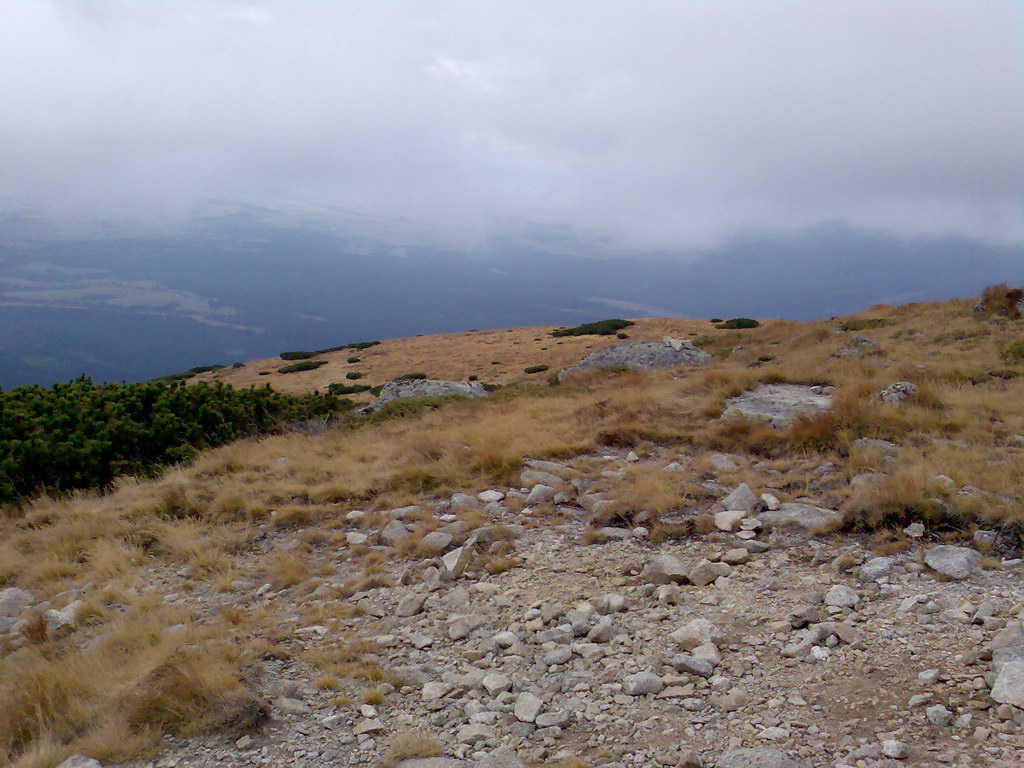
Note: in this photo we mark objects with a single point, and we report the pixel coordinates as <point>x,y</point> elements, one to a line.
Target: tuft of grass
<point>535,369</point>
<point>410,745</point>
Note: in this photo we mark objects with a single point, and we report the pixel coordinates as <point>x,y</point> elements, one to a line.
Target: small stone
<point>410,605</point>
<point>691,665</point>
<point>527,707</point>
<point>496,682</point>
<point>370,725</point>
<point>741,498</point>
<point>665,569</point>
<point>244,742</point>
<point>705,572</point>
<point>939,716</point>
<point>895,749</point>
<point>876,568</point>
<point>914,530</point>
<point>841,596</point>
<point>642,684</point>
<point>610,603</point>
<point>736,556</point>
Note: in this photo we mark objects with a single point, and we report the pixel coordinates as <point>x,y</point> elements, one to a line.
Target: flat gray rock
<point>403,390</point>
<point>805,516</point>
<point>758,758</point>
<point>642,355</point>
<point>955,562</point>
<point>1009,685</point>
<point>431,762</point>
<point>779,404</point>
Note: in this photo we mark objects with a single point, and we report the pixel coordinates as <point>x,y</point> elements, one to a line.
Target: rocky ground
<point>757,644</point>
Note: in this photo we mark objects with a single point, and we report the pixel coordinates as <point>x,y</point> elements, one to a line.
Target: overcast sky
<point>662,123</point>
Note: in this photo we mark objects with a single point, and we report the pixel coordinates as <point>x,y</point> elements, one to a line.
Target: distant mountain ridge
<point>125,305</point>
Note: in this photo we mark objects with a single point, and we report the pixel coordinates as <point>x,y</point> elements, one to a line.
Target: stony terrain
<point>634,653</point>
<point>706,567</point>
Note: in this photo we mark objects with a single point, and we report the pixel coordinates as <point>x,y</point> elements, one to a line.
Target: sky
<point>656,124</point>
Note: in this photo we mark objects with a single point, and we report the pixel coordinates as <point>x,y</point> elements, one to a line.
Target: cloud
<point>659,124</point>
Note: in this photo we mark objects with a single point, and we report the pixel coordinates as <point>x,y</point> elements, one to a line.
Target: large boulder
<point>955,562</point>
<point>796,515</point>
<point>779,404</point>
<point>642,355</point>
<point>403,390</point>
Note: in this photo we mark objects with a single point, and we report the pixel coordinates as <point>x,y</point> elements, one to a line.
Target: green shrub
<point>862,323</point>
<point>766,358</point>
<point>305,365</point>
<point>362,345</point>
<point>737,323</point>
<point>347,389</point>
<point>375,391</point>
<point>238,365</point>
<point>474,377</point>
<point>535,369</point>
<point>491,387</point>
<point>495,362</point>
<point>716,319</point>
<point>353,375</point>
<point>352,359</point>
<point>622,335</point>
<point>80,435</point>
<point>299,355</point>
<point>599,328</point>
<point>410,377</point>
<point>265,373</point>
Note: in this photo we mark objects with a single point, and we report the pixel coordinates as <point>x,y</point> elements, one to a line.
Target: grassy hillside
<point>493,356</point>
<point>171,553</point>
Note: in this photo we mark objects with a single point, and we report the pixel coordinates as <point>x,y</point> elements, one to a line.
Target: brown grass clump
<point>118,696</point>
<point>410,745</point>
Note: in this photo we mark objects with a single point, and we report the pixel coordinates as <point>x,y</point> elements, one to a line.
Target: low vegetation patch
<point>599,328</point>
<point>738,323</point>
<point>535,369</point>
<point>862,323</point>
<point>305,365</point>
<point>82,435</point>
<point>348,389</point>
<point>299,355</point>
<point>184,375</point>
<point>417,376</point>
<point>353,375</point>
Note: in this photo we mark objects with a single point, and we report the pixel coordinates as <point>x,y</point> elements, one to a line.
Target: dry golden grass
<point>410,745</point>
<point>271,509</point>
<point>452,356</point>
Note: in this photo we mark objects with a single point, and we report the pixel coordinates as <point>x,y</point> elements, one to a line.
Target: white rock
<point>527,707</point>
<point>841,596</point>
<point>895,749</point>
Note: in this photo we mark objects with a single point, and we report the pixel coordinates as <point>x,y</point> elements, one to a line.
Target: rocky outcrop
<point>779,404</point>
<point>642,355</point>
